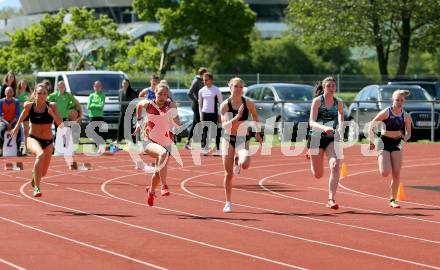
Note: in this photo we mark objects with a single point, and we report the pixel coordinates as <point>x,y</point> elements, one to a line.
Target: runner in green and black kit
<point>325,114</point>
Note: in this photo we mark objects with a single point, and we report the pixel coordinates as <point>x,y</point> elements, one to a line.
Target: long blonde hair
<point>235,79</point>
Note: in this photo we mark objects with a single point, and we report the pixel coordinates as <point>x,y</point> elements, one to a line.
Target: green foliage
<point>144,56</point>
<point>147,9</point>
<point>282,56</point>
<point>224,25</point>
<point>279,56</point>
<point>39,46</point>
<point>388,26</point>
<point>53,43</point>
<point>85,32</point>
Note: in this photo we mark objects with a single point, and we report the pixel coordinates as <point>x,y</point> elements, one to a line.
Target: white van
<point>80,84</point>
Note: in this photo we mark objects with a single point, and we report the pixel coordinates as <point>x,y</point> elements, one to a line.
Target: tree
<point>39,46</point>
<point>54,42</point>
<point>142,57</point>
<point>389,26</point>
<point>224,25</point>
<point>9,12</point>
<point>282,55</point>
<point>85,33</point>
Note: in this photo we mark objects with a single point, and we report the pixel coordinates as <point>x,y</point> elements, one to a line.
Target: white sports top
<point>207,99</point>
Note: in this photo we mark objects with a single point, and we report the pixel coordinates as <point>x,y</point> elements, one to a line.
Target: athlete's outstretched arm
<point>373,124</point>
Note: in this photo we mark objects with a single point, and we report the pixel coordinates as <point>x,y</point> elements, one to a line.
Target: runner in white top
<point>209,99</point>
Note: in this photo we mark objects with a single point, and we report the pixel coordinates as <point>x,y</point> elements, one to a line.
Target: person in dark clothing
<point>9,80</point>
<point>126,94</point>
<point>193,94</point>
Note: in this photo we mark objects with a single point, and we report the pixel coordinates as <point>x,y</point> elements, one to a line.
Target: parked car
<point>184,107</point>
<point>268,98</point>
<point>80,84</point>
<point>226,92</point>
<point>374,98</point>
<point>184,110</point>
<point>431,85</point>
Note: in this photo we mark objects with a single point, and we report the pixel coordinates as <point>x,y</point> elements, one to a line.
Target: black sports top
<point>40,118</point>
<point>245,114</point>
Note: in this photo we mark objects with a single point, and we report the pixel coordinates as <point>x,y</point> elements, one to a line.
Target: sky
<point>10,3</point>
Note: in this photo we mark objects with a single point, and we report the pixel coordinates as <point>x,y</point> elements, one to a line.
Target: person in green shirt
<point>95,103</point>
<point>68,106</point>
<point>24,94</point>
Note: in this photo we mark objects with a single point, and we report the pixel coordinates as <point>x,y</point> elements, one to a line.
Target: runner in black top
<point>41,115</point>
<point>325,114</point>
<point>235,146</point>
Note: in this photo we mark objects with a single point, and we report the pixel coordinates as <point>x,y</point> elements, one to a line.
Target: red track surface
<point>99,219</point>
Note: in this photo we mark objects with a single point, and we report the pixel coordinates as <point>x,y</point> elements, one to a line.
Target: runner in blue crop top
<point>389,147</point>
<point>42,115</point>
<point>325,114</point>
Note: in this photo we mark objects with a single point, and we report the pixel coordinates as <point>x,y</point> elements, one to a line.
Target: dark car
<point>183,109</point>
<point>374,98</point>
<point>431,85</point>
<point>268,98</point>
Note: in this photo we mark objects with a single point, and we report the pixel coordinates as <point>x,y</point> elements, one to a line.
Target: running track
<point>99,219</point>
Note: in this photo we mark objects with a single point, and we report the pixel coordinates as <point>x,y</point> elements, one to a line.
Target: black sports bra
<point>40,118</point>
<point>245,114</point>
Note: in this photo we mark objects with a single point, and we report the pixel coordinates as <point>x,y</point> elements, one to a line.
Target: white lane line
<point>183,195</point>
<point>241,189</point>
<point>90,193</point>
<point>320,242</point>
<point>31,198</point>
<point>339,192</point>
<point>160,232</point>
<point>104,189</point>
<point>374,196</point>
<point>276,182</point>
<point>12,265</point>
<point>82,243</point>
<point>261,183</point>
<point>126,183</point>
<point>51,184</point>
<point>10,194</point>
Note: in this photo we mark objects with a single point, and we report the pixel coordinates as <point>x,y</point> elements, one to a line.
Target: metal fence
<point>427,124</point>
<point>345,83</point>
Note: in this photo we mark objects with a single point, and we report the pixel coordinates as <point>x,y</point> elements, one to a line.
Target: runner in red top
<point>161,118</point>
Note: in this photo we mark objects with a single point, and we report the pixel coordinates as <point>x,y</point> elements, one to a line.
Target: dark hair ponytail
<point>319,87</point>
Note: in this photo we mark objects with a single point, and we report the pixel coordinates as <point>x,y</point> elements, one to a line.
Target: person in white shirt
<point>209,99</point>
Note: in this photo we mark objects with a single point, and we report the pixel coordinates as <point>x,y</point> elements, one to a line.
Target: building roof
<point>41,6</point>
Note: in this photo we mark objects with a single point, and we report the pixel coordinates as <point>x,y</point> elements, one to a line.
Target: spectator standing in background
<point>193,94</point>
<point>126,94</point>
<point>9,80</point>
<point>95,104</point>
